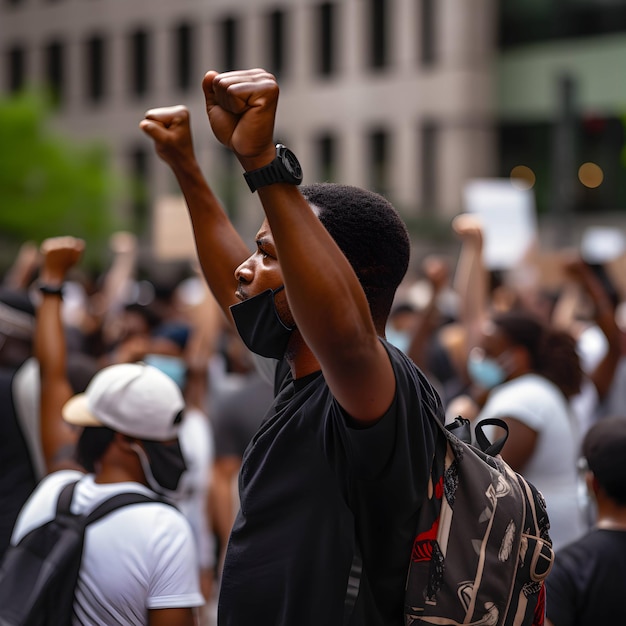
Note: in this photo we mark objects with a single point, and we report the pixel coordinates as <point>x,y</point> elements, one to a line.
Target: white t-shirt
<point>196,440</point>
<point>552,468</point>
<point>137,558</point>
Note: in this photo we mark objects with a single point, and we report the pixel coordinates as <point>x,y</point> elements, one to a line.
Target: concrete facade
<point>451,92</point>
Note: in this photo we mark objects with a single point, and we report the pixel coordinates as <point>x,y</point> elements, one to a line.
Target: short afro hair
<point>603,447</point>
<point>370,232</point>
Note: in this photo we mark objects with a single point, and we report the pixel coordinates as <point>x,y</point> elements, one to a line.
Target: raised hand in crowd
<point>58,438</point>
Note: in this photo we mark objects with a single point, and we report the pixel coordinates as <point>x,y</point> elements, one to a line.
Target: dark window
<point>326,61</point>
<point>327,157</point>
<point>598,143</point>
<point>377,45</point>
<point>229,37</point>
<point>139,168</point>
<point>55,71</point>
<point>429,156</point>
<point>16,68</point>
<point>139,54</point>
<point>96,68</point>
<point>277,38</point>
<point>523,22</point>
<point>379,154</point>
<point>13,2</point>
<point>184,67</point>
<point>427,32</point>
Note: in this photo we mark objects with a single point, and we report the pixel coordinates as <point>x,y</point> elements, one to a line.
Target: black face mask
<point>259,325</point>
<point>166,462</point>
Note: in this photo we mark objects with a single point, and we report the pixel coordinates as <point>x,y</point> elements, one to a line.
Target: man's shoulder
<point>41,505</point>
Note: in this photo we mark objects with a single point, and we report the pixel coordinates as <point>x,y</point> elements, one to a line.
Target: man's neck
<point>611,516</point>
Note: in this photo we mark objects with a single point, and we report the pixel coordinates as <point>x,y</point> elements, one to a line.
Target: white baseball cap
<point>134,399</point>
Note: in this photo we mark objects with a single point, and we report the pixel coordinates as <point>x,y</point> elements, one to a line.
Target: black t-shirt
<point>303,474</point>
<point>587,584</point>
<point>17,476</point>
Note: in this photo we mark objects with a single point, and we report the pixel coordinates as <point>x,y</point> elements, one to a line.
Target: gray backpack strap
<point>354,584</point>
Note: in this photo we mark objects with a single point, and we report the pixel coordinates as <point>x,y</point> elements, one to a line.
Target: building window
<point>139,54</point>
<point>229,38</point>
<point>16,68</point>
<point>427,32</point>
<point>96,69</point>
<point>184,67</point>
<point>55,71</point>
<point>378,158</point>
<point>429,156</point>
<point>277,37</point>
<point>523,22</point>
<point>140,202</point>
<point>326,45</point>
<point>377,45</point>
<point>327,158</point>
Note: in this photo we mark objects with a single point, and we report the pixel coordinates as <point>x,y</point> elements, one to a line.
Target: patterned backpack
<point>482,549</point>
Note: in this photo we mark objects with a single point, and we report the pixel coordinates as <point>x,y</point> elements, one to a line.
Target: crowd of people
<point>283,398</point>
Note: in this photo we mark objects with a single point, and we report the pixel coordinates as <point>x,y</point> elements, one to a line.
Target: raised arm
<point>604,317</point>
<point>470,279</point>
<point>58,438</point>
<point>325,297</point>
<point>220,248</point>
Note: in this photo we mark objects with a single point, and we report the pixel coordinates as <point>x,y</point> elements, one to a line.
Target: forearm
<point>470,283</point>
<point>57,437</point>
<point>324,293</point>
<point>49,345</point>
<point>219,246</point>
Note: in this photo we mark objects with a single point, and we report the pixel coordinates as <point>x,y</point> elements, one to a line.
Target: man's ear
<point>593,485</point>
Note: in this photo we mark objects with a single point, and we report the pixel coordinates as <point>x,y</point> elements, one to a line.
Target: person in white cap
<point>139,562</point>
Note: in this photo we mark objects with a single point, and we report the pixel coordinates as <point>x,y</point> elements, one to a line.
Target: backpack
<point>482,549</point>
<point>38,575</point>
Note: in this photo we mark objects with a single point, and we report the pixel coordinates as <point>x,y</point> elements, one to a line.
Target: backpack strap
<point>65,498</point>
<point>484,443</point>
<point>354,584</point>
<point>461,428</point>
<point>106,507</point>
<point>120,500</point>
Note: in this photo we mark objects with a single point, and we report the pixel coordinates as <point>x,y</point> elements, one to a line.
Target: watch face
<point>291,163</point>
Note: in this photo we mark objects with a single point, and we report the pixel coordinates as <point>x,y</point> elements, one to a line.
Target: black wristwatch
<point>285,168</point>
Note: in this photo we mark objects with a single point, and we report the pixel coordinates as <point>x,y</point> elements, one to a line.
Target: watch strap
<point>263,176</point>
<point>283,169</point>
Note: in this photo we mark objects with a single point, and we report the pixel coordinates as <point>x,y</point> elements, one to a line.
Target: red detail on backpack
<point>540,610</point>
<point>439,489</point>
<point>423,544</point>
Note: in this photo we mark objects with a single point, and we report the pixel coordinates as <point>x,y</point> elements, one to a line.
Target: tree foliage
<point>50,186</point>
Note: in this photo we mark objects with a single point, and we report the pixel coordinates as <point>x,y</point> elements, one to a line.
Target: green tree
<point>50,186</point>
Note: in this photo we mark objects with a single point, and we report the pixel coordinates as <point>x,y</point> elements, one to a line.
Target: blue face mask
<point>397,338</point>
<point>485,372</point>
<point>173,366</point>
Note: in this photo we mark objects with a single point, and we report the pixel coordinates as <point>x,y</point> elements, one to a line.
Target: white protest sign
<point>508,216</point>
<point>172,235</point>
<point>601,244</point>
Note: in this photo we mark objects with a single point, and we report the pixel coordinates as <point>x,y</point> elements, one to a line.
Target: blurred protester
<point>587,583</point>
<point>144,407</point>
<point>18,472</point>
<point>237,409</point>
<point>529,372</point>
